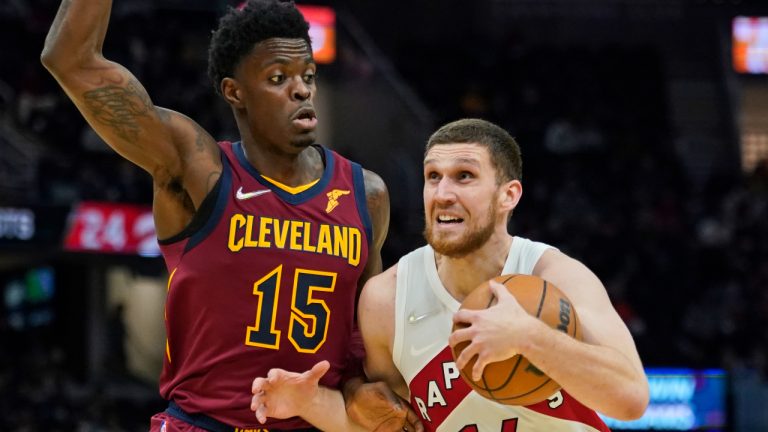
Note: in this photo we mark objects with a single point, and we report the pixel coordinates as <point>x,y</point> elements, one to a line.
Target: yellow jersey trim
<point>290,189</point>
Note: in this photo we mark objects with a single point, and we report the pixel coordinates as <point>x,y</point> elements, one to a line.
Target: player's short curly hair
<point>503,149</point>
<point>242,28</point>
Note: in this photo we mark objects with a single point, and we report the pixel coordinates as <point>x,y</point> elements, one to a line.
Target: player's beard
<point>471,240</point>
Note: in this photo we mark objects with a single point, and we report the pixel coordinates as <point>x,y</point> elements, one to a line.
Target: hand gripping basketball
<point>516,381</point>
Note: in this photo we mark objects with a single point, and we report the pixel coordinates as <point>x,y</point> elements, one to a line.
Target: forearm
<point>599,377</point>
<point>327,412</point>
<point>77,33</point>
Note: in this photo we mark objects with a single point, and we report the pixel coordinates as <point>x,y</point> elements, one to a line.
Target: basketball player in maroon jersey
<point>266,239</point>
<point>472,172</point>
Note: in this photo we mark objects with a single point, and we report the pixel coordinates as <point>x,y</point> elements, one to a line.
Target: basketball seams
<point>511,375</point>
<point>506,381</point>
<point>504,282</point>
<point>488,392</point>
<point>490,301</point>
<point>525,387</point>
<point>543,297</point>
<point>575,321</point>
<point>547,381</point>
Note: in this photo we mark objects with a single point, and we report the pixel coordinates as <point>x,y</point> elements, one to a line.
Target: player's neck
<point>462,275</point>
<point>288,169</point>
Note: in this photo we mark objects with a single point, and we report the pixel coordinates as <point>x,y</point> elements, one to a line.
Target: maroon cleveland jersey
<point>263,279</point>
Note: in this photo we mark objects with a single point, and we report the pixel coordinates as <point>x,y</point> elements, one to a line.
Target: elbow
<point>50,59</point>
<point>45,58</point>
<point>50,55</point>
<point>635,410</point>
<point>635,403</point>
<point>59,62</point>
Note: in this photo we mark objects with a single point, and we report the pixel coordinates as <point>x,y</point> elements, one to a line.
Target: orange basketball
<point>516,381</point>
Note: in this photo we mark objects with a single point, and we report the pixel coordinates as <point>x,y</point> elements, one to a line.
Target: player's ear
<point>511,192</point>
<point>230,89</point>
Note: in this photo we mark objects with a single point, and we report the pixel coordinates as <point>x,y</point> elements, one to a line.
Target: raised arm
<point>178,154</point>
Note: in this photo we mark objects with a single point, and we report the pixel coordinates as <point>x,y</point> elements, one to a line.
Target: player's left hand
<point>494,333</point>
<point>376,407</point>
<point>284,394</point>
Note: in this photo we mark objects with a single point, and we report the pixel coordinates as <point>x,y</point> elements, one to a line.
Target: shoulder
<point>379,290</point>
<point>574,278</point>
<point>553,261</point>
<point>195,163</point>
<point>376,310</point>
<point>375,188</point>
<point>377,202</point>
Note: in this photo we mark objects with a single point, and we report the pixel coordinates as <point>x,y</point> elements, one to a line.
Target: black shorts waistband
<point>211,424</point>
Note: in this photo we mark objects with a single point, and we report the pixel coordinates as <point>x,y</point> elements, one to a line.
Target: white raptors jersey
<point>423,321</point>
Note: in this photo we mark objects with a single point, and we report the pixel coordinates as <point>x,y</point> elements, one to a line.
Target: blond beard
<point>469,241</point>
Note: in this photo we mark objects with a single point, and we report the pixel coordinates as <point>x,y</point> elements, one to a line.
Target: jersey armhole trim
<point>358,179</point>
<point>200,217</point>
<point>218,208</point>
<point>400,294</point>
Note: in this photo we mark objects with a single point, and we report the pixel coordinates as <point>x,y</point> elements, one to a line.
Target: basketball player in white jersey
<point>472,172</point>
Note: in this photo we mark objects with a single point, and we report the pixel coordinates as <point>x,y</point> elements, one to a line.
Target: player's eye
<point>310,77</point>
<point>431,175</point>
<point>466,175</point>
<point>277,78</point>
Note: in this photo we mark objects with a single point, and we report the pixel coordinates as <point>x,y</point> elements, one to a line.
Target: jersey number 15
<point>308,326</point>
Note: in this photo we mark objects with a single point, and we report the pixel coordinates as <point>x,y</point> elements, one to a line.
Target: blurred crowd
<point>682,253</point>
<point>685,260</point>
<point>39,392</point>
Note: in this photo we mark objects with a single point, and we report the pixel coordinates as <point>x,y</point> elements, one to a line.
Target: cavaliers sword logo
<point>333,199</point>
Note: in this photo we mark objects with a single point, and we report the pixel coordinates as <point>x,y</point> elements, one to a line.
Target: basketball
<point>516,381</point>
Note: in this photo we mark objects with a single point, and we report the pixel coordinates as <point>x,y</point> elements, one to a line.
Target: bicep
<point>376,319</point>
<point>600,323</point>
<point>380,367</point>
<point>116,105</point>
<point>377,202</point>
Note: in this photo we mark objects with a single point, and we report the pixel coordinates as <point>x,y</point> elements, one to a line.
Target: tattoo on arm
<point>202,135</point>
<point>120,108</point>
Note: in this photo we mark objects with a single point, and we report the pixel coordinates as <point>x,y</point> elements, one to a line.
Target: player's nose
<point>301,91</point>
<point>445,191</point>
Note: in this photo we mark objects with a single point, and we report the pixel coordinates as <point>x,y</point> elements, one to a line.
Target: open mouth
<point>449,220</point>
<point>305,118</point>
<point>306,115</point>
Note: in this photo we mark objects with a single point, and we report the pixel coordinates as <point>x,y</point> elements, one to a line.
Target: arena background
<point>645,150</point>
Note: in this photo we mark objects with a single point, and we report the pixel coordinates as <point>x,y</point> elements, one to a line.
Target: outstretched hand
<point>284,394</point>
<point>377,408</point>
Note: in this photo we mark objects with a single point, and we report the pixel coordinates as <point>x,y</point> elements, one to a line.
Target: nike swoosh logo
<point>248,195</point>
<point>417,352</point>
<point>413,318</point>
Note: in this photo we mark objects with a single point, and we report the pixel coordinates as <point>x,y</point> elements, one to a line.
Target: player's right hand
<point>283,394</point>
<point>376,407</point>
